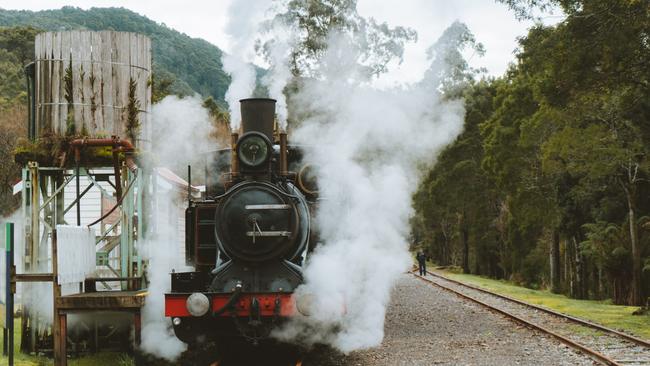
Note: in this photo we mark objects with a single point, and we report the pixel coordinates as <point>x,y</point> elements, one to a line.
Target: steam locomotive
<point>247,239</point>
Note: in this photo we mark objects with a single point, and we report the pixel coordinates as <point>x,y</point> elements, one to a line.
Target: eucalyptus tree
<point>313,23</point>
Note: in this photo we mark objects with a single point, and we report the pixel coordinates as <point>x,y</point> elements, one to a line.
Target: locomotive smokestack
<point>257,114</point>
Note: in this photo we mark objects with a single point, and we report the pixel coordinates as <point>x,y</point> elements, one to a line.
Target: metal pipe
<point>31,107</point>
<point>9,301</point>
<point>118,144</point>
<point>118,174</point>
<point>234,160</point>
<point>77,157</point>
<point>113,141</point>
<point>189,185</point>
<point>283,154</point>
<point>205,178</point>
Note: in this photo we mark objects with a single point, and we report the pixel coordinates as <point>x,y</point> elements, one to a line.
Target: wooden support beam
<point>60,339</point>
<point>58,331</point>
<point>137,325</point>
<point>32,277</point>
<point>102,301</point>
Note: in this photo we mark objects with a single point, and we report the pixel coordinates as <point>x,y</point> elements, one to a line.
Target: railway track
<point>605,345</point>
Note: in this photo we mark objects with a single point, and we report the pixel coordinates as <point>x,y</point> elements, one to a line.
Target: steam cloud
<point>370,147</point>
<point>242,27</point>
<point>278,49</point>
<point>183,130</point>
<point>30,295</point>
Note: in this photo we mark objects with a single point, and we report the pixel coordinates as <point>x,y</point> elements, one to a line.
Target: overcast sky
<point>493,24</point>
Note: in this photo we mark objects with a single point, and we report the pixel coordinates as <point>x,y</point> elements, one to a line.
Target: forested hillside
<point>548,184</point>
<point>16,49</point>
<point>186,65</point>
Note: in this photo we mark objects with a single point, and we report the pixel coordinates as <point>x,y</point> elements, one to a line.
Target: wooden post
<point>9,308</point>
<point>137,325</point>
<point>62,360</point>
<point>58,333</point>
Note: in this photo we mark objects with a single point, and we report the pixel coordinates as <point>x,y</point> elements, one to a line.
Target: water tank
<point>94,84</point>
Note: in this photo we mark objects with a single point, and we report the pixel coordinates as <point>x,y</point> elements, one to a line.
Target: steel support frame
<point>43,200</point>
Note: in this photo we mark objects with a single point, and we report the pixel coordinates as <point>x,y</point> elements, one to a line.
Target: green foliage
<point>68,95</point>
<point>162,86</point>
<point>601,312</point>
<point>448,68</point>
<point>216,112</point>
<point>132,111</point>
<point>313,22</point>
<point>16,49</point>
<point>563,146</point>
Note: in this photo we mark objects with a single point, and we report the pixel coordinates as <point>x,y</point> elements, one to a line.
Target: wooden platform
<point>127,301</point>
<point>102,300</point>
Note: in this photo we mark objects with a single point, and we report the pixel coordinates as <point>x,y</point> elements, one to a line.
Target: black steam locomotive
<point>247,239</point>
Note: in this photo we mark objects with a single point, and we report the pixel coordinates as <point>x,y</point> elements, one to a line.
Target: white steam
<point>277,42</point>
<point>34,296</point>
<point>183,130</point>
<point>244,18</point>
<point>370,147</point>
<point>279,73</point>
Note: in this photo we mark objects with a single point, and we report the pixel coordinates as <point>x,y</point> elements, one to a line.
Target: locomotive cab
<point>247,239</point>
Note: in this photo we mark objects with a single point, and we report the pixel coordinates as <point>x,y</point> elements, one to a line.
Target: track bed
<point>429,326</point>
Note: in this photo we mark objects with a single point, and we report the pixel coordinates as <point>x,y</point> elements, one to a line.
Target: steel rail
<point>584,322</point>
<point>592,353</point>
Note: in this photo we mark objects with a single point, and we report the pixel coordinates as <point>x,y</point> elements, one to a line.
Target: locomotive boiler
<point>247,239</point>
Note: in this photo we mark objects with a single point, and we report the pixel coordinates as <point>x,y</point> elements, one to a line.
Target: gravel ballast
<point>428,326</point>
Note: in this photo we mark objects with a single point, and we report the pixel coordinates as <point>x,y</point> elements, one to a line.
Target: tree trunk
<point>567,262</point>
<point>594,285</point>
<point>555,262</point>
<point>465,234</point>
<point>601,285</point>
<point>579,271</point>
<point>446,250</point>
<point>575,269</point>
<point>635,297</point>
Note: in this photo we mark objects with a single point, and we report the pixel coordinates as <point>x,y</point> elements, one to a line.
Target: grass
<point>601,312</point>
<point>97,359</point>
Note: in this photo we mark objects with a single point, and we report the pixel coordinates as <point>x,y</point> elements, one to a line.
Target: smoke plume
<point>183,130</point>
<point>244,18</point>
<point>371,147</point>
<point>277,49</point>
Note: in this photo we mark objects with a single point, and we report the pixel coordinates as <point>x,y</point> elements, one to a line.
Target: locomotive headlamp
<point>197,304</point>
<point>305,303</point>
<point>253,149</point>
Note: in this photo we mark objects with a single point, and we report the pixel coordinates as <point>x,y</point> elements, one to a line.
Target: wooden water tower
<point>93,84</point>
<point>90,104</point>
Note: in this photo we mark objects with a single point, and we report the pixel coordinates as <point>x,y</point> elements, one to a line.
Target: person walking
<point>422,263</point>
